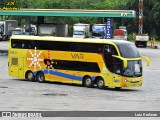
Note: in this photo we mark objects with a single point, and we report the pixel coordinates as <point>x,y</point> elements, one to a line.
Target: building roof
<point>70,12</point>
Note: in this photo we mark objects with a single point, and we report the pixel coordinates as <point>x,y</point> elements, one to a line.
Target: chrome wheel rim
<point>88,81</point>
<point>30,76</point>
<point>41,78</point>
<point>100,83</point>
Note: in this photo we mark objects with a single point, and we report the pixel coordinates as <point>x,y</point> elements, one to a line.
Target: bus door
<point>20,68</point>
<point>13,70</point>
<point>16,68</point>
<point>117,68</point>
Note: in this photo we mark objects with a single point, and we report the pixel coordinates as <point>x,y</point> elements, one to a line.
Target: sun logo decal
<point>34,59</point>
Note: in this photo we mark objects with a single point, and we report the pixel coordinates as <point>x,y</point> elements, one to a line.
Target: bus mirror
<point>147,59</point>
<point>123,59</point>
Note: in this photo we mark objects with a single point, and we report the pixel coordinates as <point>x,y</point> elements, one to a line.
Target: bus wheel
<point>30,76</point>
<point>40,77</point>
<point>100,83</point>
<point>88,82</point>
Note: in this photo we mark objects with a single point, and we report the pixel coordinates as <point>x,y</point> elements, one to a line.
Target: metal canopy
<point>70,12</point>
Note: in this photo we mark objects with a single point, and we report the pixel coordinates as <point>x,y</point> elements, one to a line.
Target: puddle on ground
<point>55,94</point>
<point>3,87</point>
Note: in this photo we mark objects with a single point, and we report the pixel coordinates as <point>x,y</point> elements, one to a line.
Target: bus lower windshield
<point>134,68</point>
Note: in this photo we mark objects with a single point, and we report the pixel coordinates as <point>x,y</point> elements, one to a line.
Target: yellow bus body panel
<point>23,60</point>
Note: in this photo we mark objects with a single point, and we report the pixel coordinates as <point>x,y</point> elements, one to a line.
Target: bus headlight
<point>126,80</point>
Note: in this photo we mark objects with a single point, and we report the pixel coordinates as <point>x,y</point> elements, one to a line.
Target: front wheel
<point>40,77</point>
<point>88,82</point>
<point>100,83</point>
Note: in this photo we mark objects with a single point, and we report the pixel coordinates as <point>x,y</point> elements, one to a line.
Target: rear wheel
<point>40,77</point>
<point>88,82</point>
<point>30,76</point>
<point>100,83</point>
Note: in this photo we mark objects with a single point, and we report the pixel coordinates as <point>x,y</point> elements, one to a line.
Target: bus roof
<point>69,39</point>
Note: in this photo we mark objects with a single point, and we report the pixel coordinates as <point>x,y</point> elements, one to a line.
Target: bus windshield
<point>134,68</point>
<point>128,50</point>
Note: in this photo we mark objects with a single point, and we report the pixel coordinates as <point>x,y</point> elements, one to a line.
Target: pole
<point>141,17</point>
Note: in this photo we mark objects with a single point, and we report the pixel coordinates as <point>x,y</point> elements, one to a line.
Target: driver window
<point>108,51</point>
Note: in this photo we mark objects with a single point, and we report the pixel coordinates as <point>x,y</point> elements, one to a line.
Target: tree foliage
<point>151,12</point>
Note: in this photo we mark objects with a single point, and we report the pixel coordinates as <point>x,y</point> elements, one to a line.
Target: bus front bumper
<point>131,82</point>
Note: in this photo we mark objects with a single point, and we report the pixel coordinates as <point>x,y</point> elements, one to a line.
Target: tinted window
<point>55,45</point>
<point>45,45</point>
<point>23,44</point>
<point>109,49</point>
<point>62,46</point>
<point>72,65</point>
<point>128,50</point>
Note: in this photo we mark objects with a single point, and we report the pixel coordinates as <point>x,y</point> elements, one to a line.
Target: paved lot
<point>20,95</point>
<point>3,45</point>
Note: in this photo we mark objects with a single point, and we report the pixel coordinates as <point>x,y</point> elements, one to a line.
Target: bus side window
<point>14,44</point>
<point>106,49</point>
<point>117,65</point>
<point>32,44</point>
<point>24,45</point>
<point>109,50</point>
<point>113,50</point>
<point>77,47</point>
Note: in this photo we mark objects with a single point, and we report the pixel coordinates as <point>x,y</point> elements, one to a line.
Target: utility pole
<point>140,38</point>
<point>141,6</point>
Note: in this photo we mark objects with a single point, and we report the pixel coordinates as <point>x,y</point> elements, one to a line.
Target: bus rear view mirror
<point>147,60</point>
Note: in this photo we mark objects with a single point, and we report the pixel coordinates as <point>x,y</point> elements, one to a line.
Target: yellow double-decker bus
<point>89,62</point>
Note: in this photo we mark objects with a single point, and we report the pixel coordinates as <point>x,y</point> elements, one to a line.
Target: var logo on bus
<point>77,56</point>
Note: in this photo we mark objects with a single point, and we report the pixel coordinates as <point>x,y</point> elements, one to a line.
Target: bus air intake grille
<point>14,61</point>
<point>134,81</point>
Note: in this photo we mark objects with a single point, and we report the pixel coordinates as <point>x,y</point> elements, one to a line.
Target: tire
<point>40,77</point>
<point>88,82</point>
<point>100,83</point>
<point>30,76</point>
